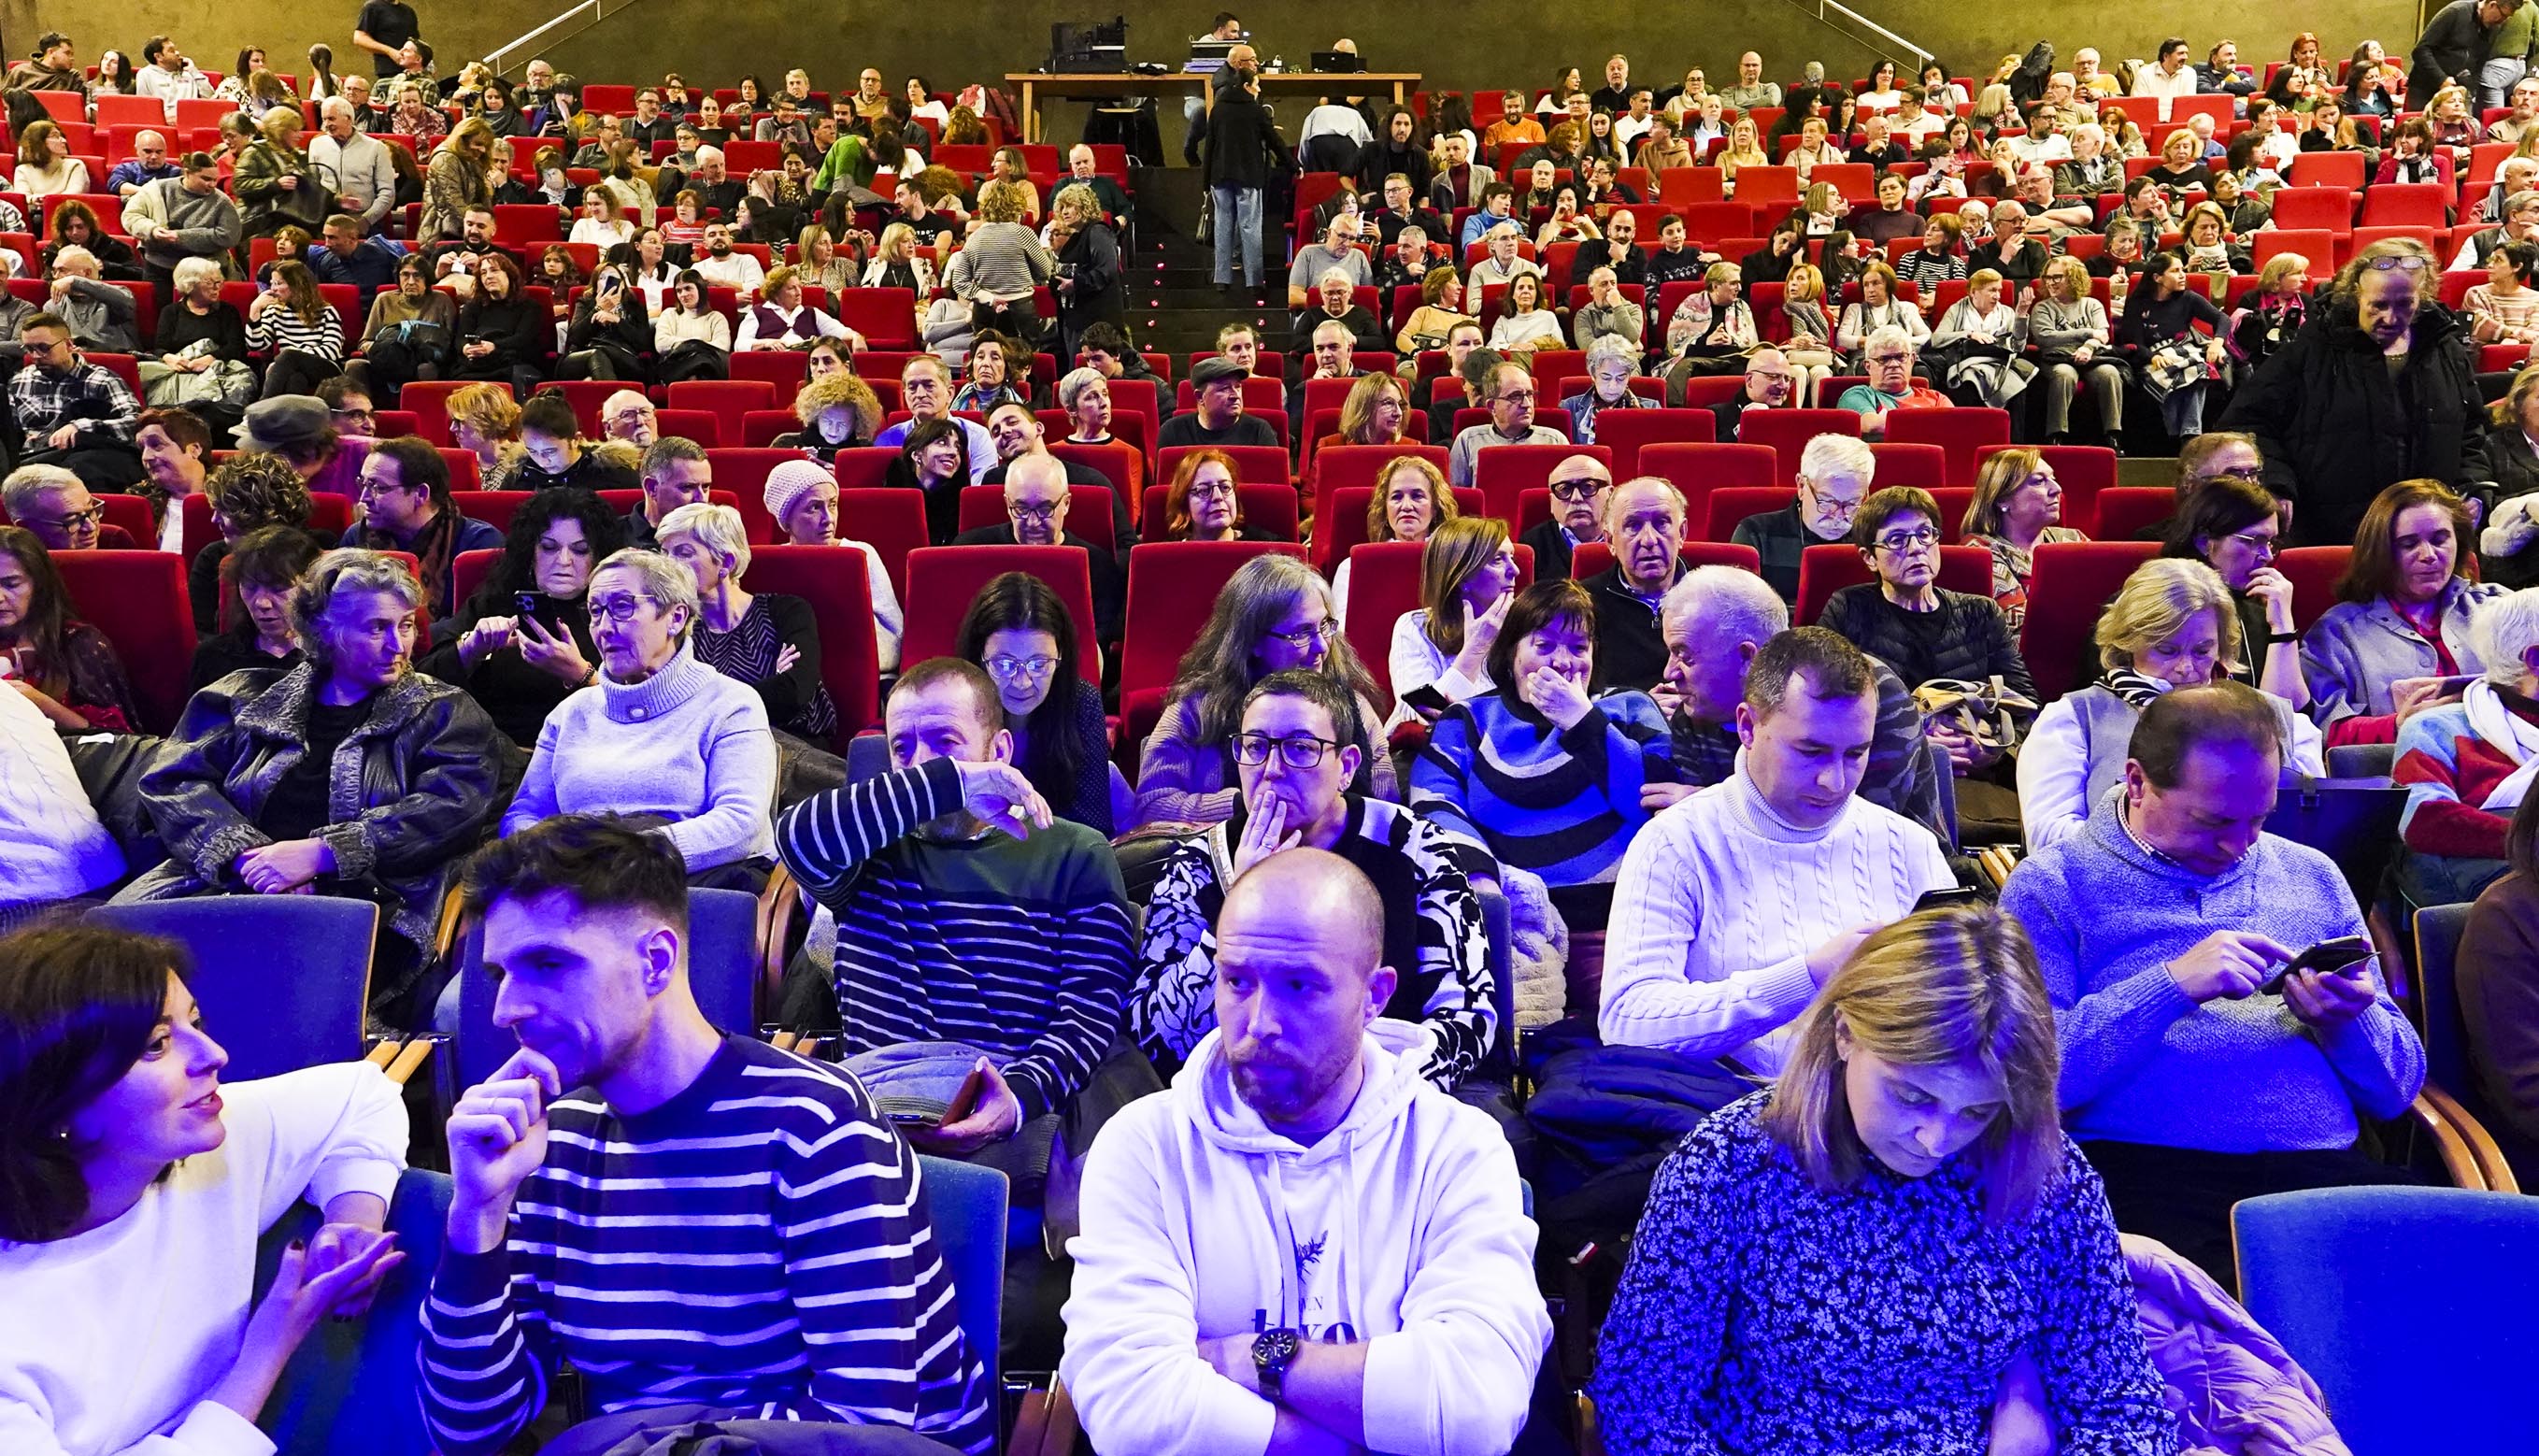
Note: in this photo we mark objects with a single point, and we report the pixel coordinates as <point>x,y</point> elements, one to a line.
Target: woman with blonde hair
<point>2272,313</point>
<point>602,224</point>
<point>1744,149</point>
<point>1906,1172</point>
<point>1441,308</point>
<point>897,262</point>
<point>274,183</point>
<point>2173,624</point>
<point>840,412</point>
<point>2016,506</point>
<point>1374,412</point>
<point>2069,328</point>
<point>1809,347</point>
<point>485,421</point>
<point>458,178</point>
<point>963,128</point>
<point>1000,262</point>
<point>1275,614</point>
<point>1441,649</point>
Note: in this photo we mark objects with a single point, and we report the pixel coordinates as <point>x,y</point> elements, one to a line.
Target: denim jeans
<point>2496,77</point>
<point>2182,412</point>
<point>1238,214</point>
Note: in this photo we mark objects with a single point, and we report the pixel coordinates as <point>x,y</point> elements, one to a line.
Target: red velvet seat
<point>428,402</point>
<point>787,369</point>
<point>833,582</point>
<point>702,426</point>
<point>942,580</point>
<point>1960,432</point>
<point>1384,584</point>
<point>138,600</point>
<point>2072,586</point>
<point>1345,465</point>
<point>1626,432</point>
<point>329,515</point>
<point>891,521</point>
<point>2127,510</point>
<point>1698,469</point>
<point>2313,572</point>
<point>1592,558</point>
<point>1788,431</point>
<point>1826,570</point>
<point>1168,581</point>
<point>730,401</point>
<point>1729,504</point>
<point>1921,466</point>
<point>743,472</point>
<point>585,397</point>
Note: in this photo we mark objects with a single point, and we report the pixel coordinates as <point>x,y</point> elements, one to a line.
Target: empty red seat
<point>730,401</point>
<point>1168,581</point>
<point>891,521</point>
<point>833,582</point>
<point>786,368</point>
<point>1725,507</point>
<point>1960,432</point>
<point>1697,469</point>
<point>743,472</point>
<point>942,580</point>
<point>138,600</point>
<point>1626,432</point>
<point>1826,570</point>
<point>2067,595</point>
<point>2313,572</point>
<point>1913,463</point>
<point>885,316</point>
<point>1788,431</point>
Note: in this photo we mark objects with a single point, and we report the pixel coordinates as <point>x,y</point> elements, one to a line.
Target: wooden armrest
<point>2458,1161</point>
<point>776,905</point>
<point>401,1059</point>
<point>2482,1147</point>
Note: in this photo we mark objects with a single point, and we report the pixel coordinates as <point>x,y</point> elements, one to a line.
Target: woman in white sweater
<point>659,733</point>
<point>137,1189</point>
<point>1441,650</point>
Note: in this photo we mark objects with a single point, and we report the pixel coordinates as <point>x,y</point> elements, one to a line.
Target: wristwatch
<point>1273,1350</point>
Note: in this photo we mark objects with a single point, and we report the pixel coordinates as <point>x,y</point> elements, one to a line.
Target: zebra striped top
<point>276,329</point>
<point>756,1243</point>
<point>1016,946</point>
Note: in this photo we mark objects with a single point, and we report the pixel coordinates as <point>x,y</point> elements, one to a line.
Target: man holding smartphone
<point>2159,929</point>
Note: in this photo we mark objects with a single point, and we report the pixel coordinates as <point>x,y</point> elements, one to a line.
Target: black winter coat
<point>1243,142</point>
<point>1975,643</point>
<point>2336,430</point>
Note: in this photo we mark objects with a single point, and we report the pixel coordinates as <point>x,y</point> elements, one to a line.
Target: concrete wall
<point>1455,43</point>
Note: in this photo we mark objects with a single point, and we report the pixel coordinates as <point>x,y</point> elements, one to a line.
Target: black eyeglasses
<point>1252,750</point>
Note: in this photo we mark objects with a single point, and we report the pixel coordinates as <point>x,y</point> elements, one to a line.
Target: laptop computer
<point>1337,62</point>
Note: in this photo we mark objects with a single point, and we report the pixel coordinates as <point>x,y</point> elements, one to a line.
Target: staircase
<point>1174,304</point>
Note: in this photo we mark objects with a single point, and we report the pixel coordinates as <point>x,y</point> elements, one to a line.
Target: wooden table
<point>1031,86</point>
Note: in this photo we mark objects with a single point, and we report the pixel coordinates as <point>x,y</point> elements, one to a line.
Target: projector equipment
<point>1097,49</point>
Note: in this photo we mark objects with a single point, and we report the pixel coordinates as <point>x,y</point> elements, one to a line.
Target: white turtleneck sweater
<point>686,744</point>
<point>1719,902</point>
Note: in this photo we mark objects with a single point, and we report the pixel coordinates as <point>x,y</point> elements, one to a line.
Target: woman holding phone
<point>2398,640</point>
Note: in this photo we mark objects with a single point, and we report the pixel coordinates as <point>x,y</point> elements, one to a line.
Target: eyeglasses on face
<point>619,609</point>
<point>1211,490</point>
<point>1005,668</point>
<point>1308,636</point>
<point>1576,491</point>
<point>1036,515</point>
<point>77,519</point>
<point>1252,750</point>
<point>1901,543</point>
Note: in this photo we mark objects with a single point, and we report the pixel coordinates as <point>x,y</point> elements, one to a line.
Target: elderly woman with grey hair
<point>349,774</point>
<point>1611,361</point>
<point>659,735</point>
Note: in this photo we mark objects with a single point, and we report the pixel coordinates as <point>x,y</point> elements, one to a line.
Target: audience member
<point>766,641</point>
<point>777,1256</point>
<point>59,508</point>
<point>246,492</point>
<point>1410,500</point>
<point>1297,749</point>
<point>1415,1324</point>
<point>1037,498</point>
<point>2494,981</point>
<point>2459,762</point>
<point>1020,633</point>
<point>926,391</point>
<point>522,643</point>
<point>2154,927</point>
<point>70,411</point>
<point>1834,476</point>
<point>1887,356</point>
<point>1766,384</point>
<point>349,775</point>
<point>1468,575</point>
<point>1644,526</point>
<point>1205,502</point>
<point>837,414</point>
<point>262,571</point>
<point>61,665</point>
<point>1510,402</point>
<point>2399,638</point>
<point>1916,1112</point>
<point>1273,614</point>
<point>1218,419</point>
<point>1732,910</point>
<point>406,506</point>
<point>982,945</point>
<point>129,1142</point>
<point>2231,524</point>
<point>2172,625</point>
<point>1579,486</point>
<point>2016,501</point>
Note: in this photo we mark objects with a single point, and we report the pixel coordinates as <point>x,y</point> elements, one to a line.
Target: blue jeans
<point>2182,412</point>
<point>1238,215</point>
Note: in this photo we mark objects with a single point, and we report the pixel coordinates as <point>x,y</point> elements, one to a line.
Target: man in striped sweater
<point>706,1227</point>
<point>970,922</point>
<point>1296,758</point>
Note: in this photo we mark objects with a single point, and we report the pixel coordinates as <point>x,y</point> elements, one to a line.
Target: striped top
<point>1016,946</point>
<point>276,329</point>
<point>1561,803</point>
<point>758,1242</point>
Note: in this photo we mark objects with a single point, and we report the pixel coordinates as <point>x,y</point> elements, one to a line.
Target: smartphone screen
<point>2333,957</point>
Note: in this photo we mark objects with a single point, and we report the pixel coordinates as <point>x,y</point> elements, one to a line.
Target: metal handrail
<point>1821,7</point>
<point>498,57</point>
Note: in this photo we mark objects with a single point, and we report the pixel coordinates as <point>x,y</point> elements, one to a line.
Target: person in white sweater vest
<point>138,1187</point>
<point>658,732</point>
<point>1735,906</point>
<point>52,844</point>
<point>1303,1245</point>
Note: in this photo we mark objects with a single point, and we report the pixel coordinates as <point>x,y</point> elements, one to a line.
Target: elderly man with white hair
<point>1314,259</point>
<point>57,505</point>
<point>1644,528</point>
<point>1836,473</point>
<point>1716,618</point>
<point>1889,358</point>
<point>357,168</point>
<point>629,416</point>
<point>2467,764</point>
<point>1503,263</point>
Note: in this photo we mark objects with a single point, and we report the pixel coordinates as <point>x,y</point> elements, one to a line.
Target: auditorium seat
<point>2073,582</point>
<point>1826,570</point>
<point>138,600</point>
<point>832,583</point>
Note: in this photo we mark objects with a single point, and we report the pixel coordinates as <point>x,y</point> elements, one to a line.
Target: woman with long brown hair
<point>2400,625</point>
<point>62,664</point>
<point>1440,649</point>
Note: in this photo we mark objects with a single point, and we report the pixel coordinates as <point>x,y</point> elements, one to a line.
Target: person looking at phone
<point>522,643</point>
<point>2398,640</point>
<point>1219,1307</point>
<point>2156,927</point>
<point>557,458</point>
<point>1733,909</point>
<point>2460,761</point>
<point>768,1234</point>
<point>1295,752</point>
<point>981,946</point>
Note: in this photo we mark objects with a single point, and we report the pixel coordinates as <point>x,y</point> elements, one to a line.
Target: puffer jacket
<point>2336,430</point>
<point>2232,1388</point>
<point>1975,645</point>
<point>408,792</point>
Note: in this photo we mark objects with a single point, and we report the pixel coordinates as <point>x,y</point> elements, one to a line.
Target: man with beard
<point>1303,1246</point>
<point>761,1239</point>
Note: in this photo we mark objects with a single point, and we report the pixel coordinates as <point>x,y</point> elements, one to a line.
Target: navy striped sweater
<point>758,1242</point>
<point>1019,946</point>
<point>1562,804</point>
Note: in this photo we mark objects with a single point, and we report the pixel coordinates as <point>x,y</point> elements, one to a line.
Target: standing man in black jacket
<point>2453,46</point>
<point>1242,147</point>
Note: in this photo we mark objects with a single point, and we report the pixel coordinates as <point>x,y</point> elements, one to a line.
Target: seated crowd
<point>1732,889</point>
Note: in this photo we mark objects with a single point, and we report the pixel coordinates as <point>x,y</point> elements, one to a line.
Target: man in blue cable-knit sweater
<point>2190,1084</point>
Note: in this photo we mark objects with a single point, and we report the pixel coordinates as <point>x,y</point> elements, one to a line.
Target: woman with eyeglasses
<point>1273,614</point>
<point>1205,502</point>
<point>63,665</point>
<point>522,643</point>
<point>2380,387</point>
<point>2231,524</point>
<point>2400,636</point>
<point>658,734</point>
<point>1018,630</point>
<point>767,642</point>
<point>348,774</point>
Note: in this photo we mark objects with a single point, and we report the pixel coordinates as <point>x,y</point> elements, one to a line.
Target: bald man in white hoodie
<point>1303,1246</point>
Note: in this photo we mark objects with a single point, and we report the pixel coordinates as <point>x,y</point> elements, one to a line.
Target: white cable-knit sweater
<point>1719,902</point>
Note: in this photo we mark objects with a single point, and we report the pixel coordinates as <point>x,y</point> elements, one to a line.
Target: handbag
<point>2172,366</point>
<point>1985,712</point>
